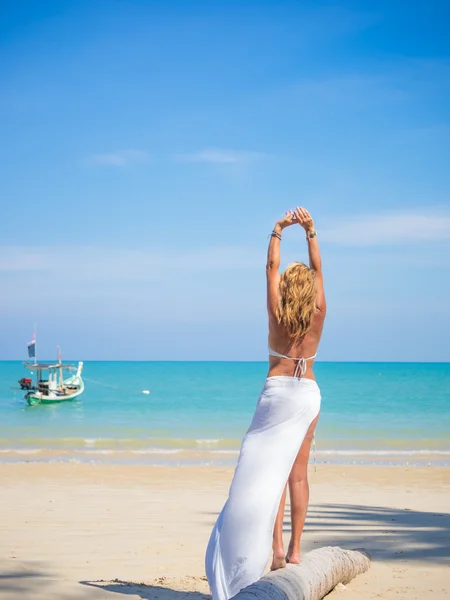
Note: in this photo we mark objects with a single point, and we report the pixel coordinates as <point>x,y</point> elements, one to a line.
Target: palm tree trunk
<point>319,572</point>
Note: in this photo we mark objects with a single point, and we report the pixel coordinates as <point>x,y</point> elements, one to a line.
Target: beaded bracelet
<point>276,234</point>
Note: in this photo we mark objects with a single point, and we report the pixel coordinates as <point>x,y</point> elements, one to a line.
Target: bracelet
<point>276,234</point>
<point>311,234</point>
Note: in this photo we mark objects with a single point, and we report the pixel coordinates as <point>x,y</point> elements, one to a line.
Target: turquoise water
<point>197,413</point>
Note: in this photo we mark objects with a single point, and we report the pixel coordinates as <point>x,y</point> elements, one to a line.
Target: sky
<point>147,148</point>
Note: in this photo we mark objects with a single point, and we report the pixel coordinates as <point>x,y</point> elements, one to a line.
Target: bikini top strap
<point>278,355</point>
<point>300,367</point>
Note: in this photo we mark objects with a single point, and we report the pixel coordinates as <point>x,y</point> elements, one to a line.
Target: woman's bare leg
<point>279,560</point>
<point>299,494</point>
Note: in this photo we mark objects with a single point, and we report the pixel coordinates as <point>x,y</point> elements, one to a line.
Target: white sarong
<point>241,541</point>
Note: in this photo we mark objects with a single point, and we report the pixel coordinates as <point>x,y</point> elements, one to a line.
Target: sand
<point>75,532</point>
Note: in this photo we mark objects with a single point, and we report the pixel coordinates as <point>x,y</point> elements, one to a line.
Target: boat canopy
<point>42,367</point>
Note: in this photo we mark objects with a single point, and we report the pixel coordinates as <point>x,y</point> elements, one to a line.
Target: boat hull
<point>34,398</point>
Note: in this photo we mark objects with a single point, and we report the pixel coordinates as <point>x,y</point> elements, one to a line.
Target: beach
<point>183,185</point>
<point>78,531</point>
<point>115,494</point>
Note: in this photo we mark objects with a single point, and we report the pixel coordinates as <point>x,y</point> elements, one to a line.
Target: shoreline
<point>179,457</point>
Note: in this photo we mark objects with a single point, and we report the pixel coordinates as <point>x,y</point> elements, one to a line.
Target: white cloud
<point>98,282</point>
<point>389,228</point>
<point>121,158</point>
<point>221,156</point>
<point>101,263</point>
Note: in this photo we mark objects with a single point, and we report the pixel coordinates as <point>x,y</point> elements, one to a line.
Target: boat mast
<point>61,380</point>
<point>35,343</point>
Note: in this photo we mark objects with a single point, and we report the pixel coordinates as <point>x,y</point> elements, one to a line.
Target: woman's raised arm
<point>273,262</point>
<point>315,262</point>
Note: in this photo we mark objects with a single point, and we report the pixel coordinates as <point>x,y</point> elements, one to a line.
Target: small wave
<point>391,452</point>
<point>21,450</point>
<point>158,451</point>
<point>90,451</point>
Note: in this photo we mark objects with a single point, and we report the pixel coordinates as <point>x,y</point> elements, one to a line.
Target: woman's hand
<point>286,221</point>
<point>304,219</point>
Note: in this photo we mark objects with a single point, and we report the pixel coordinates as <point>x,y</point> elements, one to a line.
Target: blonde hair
<point>297,303</point>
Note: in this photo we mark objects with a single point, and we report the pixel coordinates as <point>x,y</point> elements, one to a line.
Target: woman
<point>276,447</point>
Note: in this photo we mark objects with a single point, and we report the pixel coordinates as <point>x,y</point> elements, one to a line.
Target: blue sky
<point>147,149</point>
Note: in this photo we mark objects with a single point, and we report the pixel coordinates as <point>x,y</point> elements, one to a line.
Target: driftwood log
<point>319,572</point>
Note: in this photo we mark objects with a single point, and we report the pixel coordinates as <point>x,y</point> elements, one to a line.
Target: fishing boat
<point>55,382</point>
<point>52,386</point>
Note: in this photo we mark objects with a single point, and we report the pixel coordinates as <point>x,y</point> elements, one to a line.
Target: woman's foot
<point>293,555</point>
<point>278,560</point>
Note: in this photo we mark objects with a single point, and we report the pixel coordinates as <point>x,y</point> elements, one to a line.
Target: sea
<point>197,412</point>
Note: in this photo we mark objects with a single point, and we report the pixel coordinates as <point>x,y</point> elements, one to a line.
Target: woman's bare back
<point>280,342</point>
<point>279,339</point>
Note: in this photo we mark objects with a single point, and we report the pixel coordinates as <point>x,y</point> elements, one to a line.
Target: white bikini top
<point>300,367</point>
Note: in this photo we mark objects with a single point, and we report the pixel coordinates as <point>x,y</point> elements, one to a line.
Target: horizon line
<point>114,360</point>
